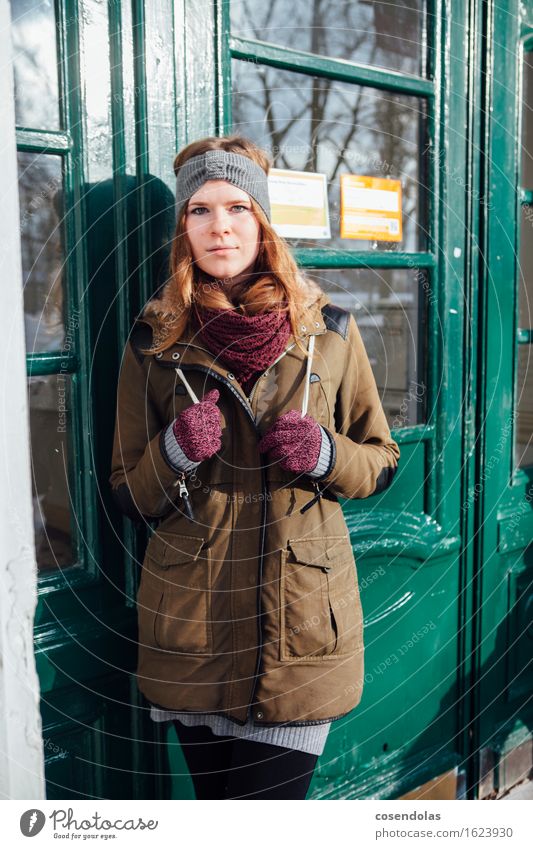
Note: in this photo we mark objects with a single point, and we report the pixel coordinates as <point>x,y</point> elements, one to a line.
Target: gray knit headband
<point>222,165</point>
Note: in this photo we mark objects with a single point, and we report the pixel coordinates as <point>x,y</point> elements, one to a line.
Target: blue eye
<point>200,209</point>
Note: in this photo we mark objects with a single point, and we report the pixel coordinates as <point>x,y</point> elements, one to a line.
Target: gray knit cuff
<point>176,457</point>
<point>324,457</point>
<point>235,168</point>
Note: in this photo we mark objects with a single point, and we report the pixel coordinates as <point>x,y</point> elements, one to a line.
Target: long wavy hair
<point>275,281</point>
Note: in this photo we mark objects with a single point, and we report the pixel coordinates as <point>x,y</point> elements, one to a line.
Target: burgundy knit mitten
<point>293,441</point>
<point>197,429</point>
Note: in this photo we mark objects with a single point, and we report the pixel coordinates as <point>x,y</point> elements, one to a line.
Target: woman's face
<point>222,230</point>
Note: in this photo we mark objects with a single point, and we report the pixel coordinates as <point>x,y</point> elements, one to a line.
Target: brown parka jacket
<point>248,603</point>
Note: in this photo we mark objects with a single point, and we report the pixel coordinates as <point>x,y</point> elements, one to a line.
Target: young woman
<point>246,408</point>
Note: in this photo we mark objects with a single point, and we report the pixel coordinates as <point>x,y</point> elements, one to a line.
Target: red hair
<point>277,283</point>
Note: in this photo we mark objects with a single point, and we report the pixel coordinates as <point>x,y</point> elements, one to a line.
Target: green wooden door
<point>96,133</point>
<point>502,712</point>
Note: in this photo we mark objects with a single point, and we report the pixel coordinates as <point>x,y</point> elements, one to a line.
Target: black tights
<point>233,768</point>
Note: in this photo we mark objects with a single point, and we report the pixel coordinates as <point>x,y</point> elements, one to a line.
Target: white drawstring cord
<point>305,401</point>
<point>308,374</point>
<point>187,386</point>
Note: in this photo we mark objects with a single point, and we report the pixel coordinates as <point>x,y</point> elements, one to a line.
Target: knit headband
<point>222,165</point>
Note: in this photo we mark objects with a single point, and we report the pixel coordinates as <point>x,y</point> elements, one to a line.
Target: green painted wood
<point>52,362</point>
<point>325,258</point>
<point>466,64</point>
<point>223,66</point>
<point>504,567</point>
<point>141,146</point>
<point>124,100</point>
<point>413,535</point>
<point>85,622</point>
<point>515,526</point>
<point>64,628</point>
<point>409,660</point>
<point>432,337</point>
<point>301,62</point>
<point>415,433</point>
<point>34,141</point>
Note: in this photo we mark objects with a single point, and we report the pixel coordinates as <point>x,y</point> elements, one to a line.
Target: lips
<point>221,248</point>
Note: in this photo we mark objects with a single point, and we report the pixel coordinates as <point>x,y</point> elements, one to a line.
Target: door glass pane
<point>524,370</point>
<point>524,406</point>
<point>312,124</point>
<point>42,250</point>
<point>43,267</point>
<point>527,122</point>
<point>389,307</point>
<point>50,405</point>
<point>525,287</point>
<point>33,28</point>
<point>94,28</point>
<point>387,35</point>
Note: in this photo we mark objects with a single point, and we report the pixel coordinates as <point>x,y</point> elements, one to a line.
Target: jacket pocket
<point>177,583</point>
<point>320,608</point>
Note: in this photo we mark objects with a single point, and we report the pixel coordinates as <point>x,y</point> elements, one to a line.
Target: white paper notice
<point>299,204</point>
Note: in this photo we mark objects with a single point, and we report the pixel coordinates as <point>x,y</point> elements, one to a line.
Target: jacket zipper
<point>184,492</point>
<point>250,397</point>
<point>318,494</point>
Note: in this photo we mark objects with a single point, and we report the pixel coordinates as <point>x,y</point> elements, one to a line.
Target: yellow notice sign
<point>371,208</point>
<point>299,204</point>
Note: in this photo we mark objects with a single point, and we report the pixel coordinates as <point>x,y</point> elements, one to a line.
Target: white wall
<point>21,751</point>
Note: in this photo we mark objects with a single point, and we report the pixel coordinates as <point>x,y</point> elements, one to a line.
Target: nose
<point>220,221</point>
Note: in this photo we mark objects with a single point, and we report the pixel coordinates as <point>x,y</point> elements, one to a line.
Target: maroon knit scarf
<point>247,344</point>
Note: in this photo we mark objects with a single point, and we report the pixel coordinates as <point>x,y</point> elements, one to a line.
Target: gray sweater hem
<point>303,738</point>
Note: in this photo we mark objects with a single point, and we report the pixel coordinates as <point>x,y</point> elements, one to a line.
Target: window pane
<point>94,26</point>
<point>43,258</point>
<point>525,271</point>
<point>387,35</point>
<point>527,123</point>
<point>49,402</point>
<point>312,124</point>
<point>524,406</point>
<point>33,29</point>
<point>390,310</point>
